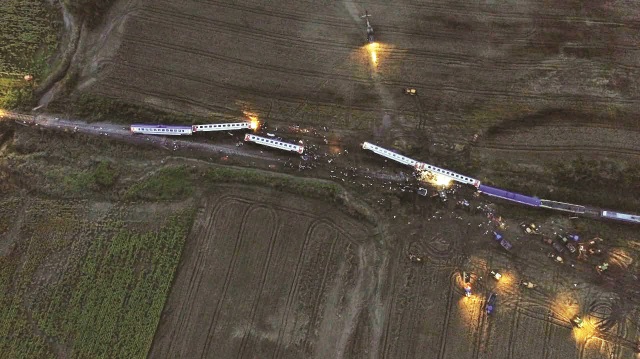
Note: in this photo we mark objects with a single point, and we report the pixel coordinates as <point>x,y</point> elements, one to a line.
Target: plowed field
<point>475,64</point>
<point>264,278</point>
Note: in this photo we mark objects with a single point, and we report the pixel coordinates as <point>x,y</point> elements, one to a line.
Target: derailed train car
<point>509,196</point>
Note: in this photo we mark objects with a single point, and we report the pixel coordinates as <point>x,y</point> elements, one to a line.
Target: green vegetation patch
<point>167,183</point>
<point>107,301</point>
<point>172,183</point>
<point>302,186</point>
<point>97,108</point>
<point>98,177</point>
<point>28,37</point>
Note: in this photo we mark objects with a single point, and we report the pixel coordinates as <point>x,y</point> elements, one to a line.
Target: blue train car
<point>509,196</point>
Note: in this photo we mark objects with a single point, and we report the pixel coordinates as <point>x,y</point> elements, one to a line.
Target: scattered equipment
<point>602,267</point>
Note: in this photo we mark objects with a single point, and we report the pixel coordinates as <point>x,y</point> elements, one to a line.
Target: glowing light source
<point>586,332</point>
<point>435,179</point>
<point>254,123</point>
<point>2,113</point>
<point>372,49</point>
<point>253,118</point>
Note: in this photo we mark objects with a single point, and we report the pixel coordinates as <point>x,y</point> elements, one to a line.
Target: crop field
<point>84,279</point>
<point>266,277</point>
<point>474,65</point>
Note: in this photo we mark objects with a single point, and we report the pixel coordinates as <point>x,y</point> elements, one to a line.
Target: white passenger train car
<point>388,154</point>
<point>222,127</point>
<point>274,143</point>
<point>162,130</point>
<point>419,165</point>
<point>632,218</point>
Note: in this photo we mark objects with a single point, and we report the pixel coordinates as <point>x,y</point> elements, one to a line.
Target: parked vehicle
<point>527,284</point>
<point>495,275</point>
<point>557,247</point>
<point>555,257</point>
<point>491,302</point>
<point>506,244</point>
<point>577,321</point>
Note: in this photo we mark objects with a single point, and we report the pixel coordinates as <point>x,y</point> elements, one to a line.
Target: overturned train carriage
<point>509,196</point>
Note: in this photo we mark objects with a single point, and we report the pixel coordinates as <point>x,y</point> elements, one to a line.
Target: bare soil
<point>266,276</point>
<point>474,65</point>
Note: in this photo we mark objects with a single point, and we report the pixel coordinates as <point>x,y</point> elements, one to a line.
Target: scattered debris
<point>527,284</point>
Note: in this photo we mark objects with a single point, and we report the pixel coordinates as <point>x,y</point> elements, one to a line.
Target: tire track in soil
<point>497,95</point>
<point>413,308</point>
<point>195,279</point>
<point>542,149</point>
<point>225,287</point>
<point>481,330</point>
<point>348,24</point>
<point>601,310</point>
<point>140,41</point>
<point>397,54</point>
<point>328,221</point>
<point>447,316</point>
<point>294,286</point>
<point>388,29</point>
<point>264,272</point>
<point>392,308</point>
<point>449,8</point>
<point>409,271</point>
<point>473,11</point>
<point>514,324</point>
<point>548,322</point>
<point>314,313</point>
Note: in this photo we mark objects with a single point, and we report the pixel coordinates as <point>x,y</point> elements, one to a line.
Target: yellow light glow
<point>372,49</point>
<point>254,123</point>
<point>588,331</point>
<point>435,179</point>
<point>2,112</point>
<point>253,118</point>
<point>469,309</point>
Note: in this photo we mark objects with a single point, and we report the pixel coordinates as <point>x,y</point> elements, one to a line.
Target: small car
<point>466,277</point>
<point>495,275</point>
<point>506,244</point>
<point>577,321</point>
<point>557,247</point>
<point>491,302</point>
<point>410,91</point>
